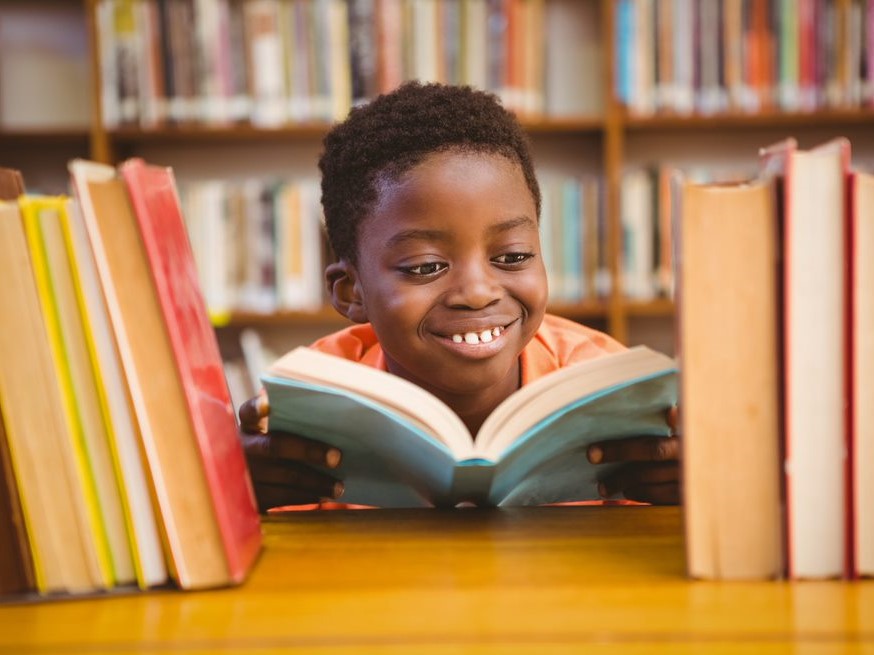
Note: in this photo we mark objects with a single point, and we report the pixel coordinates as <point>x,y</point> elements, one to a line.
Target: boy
<point>432,208</point>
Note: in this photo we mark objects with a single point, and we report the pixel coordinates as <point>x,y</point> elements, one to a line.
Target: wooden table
<point>535,580</point>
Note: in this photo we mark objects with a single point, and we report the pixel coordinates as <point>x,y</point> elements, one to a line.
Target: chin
<point>473,378</point>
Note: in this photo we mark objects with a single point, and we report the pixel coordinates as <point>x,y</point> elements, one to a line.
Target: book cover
<point>152,191</point>
<point>404,448</point>
<point>16,562</point>
<point>35,423</point>
<point>84,446</point>
<point>11,184</point>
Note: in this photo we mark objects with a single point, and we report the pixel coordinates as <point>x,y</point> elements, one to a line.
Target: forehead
<point>454,181</point>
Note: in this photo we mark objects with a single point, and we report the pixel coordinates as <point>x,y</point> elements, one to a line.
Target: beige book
<point>729,382</point>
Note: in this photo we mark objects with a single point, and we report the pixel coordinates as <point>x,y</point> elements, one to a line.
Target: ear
<point>341,279</point>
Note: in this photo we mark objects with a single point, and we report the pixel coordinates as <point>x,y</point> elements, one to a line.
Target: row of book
<point>260,246</point>
<point>710,56</point>
<point>272,62</point>
<point>573,237</point>
<point>120,460</point>
<point>776,342</point>
<point>647,225</point>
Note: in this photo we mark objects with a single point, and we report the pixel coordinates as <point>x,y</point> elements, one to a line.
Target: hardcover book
<point>402,447</point>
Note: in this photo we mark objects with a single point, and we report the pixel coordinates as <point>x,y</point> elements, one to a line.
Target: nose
<point>473,286</point>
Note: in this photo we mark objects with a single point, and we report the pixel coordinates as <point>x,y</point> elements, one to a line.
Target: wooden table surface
<point>533,580</point>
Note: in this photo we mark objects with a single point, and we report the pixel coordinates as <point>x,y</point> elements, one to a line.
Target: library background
<point>236,95</point>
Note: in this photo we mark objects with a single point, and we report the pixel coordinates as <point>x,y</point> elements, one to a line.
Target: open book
<point>402,447</point>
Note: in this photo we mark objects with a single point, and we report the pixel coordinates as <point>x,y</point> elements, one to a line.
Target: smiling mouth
<point>473,338</point>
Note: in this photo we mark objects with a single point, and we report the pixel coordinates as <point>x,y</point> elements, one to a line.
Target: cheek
<point>397,302</point>
<point>533,289</point>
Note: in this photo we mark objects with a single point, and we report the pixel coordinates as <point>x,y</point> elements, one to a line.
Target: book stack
<point>120,462</point>
<point>711,56</point>
<point>279,62</point>
<point>777,358</point>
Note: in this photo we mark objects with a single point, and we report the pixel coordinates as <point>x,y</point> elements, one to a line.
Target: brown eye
<point>511,258</point>
<point>424,270</point>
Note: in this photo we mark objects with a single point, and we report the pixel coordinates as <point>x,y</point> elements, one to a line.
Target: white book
<point>815,353</point>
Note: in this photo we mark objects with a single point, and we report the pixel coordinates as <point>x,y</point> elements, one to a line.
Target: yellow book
<point>143,534</point>
<point>36,430</point>
<point>96,496</point>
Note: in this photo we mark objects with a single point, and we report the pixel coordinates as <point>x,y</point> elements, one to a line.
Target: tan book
<point>36,427</point>
<point>729,382</point>
<point>45,220</point>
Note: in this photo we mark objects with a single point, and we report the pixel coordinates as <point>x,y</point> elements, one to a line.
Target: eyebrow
<point>441,235</point>
<point>512,224</point>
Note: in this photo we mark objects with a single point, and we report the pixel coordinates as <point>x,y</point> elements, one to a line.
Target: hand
<point>283,465</point>
<point>651,469</point>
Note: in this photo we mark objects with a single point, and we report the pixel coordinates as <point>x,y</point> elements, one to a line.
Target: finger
<point>297,477</point>
<point>253,414</point>
<point>635,449</point>
<point>280,445</point>
<point>637,475</point>
<point>655,494</point>
<point>673,418</point>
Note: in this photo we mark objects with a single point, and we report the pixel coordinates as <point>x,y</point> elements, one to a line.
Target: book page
<point>549,394</point>
<point>413,403</point>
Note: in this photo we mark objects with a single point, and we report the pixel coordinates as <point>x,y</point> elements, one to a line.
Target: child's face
<point>450,273</point>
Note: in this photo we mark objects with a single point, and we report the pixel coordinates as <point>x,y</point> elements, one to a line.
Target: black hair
<point>387,137</point>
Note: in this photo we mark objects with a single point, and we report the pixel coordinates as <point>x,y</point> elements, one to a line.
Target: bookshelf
<point>605,137</point>
<point>44,89</point>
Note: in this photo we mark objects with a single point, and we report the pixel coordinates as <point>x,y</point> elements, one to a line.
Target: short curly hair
<point>387,137</point>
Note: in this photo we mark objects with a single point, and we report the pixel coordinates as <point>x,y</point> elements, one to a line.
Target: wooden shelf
<point>213,133</point>
<point>44,136</point>
<point>658,308</point>
<point>517,580</point>
<point>325,316</point>
<point>572,125</point>
<point>589,309</point>
<point>291,131</point>
<point>763,119</point>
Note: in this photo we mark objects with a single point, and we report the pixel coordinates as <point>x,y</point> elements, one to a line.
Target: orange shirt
<point>557,343</point>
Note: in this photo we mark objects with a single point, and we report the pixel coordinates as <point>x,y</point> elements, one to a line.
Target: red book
<point>862,372</point>
<point>152,191</point>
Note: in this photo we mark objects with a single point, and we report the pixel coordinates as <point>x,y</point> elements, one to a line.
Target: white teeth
<point>474,338</point>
